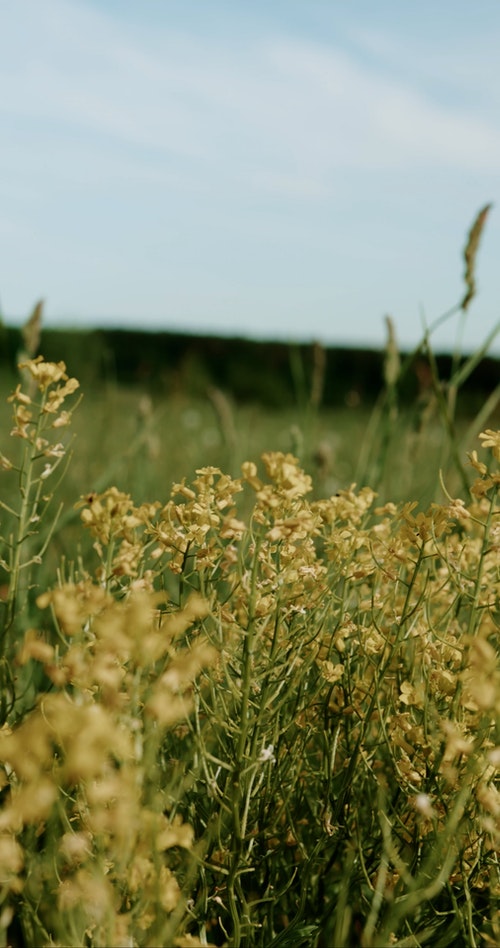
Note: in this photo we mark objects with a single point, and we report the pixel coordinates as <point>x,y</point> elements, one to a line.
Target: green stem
<point>475,608</point>
<point>17,595</point>
<point>234,892</point>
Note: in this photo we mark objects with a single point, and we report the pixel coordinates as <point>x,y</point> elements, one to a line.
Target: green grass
<point>143,444</point>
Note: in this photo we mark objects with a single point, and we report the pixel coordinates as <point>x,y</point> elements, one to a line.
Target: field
<point>249,681</point>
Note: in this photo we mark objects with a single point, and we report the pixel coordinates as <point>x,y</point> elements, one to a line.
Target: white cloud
<point>381,123</point>
<point>152,166</point>
<point>285,115</point>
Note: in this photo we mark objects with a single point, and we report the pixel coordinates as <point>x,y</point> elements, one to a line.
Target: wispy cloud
<point>140,149</point>
<point>283,114</point>
<point>363,119</point>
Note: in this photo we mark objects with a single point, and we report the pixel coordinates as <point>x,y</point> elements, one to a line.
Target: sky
<point>273,169</point>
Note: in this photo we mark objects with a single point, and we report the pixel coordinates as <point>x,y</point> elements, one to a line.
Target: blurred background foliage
<point>249,371</point>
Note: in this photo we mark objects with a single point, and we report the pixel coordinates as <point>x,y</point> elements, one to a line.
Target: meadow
<point>249,679</point>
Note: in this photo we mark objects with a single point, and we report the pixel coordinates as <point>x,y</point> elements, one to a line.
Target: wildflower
<point>481,678</point>
<point>494,757</point>
<point>422,802</point>
<point>106,514</point>
<point>92,892</point>
<point>478,465</point>
<point>491,439</point>
<point>303,524</point>
<point>47,471</point>
<point>166,709</point>
<point>422,527</point>
<point>285,471</point>
<point>34,647</point>
<point>56,397</point>
<point>184,669</point>
<point>181,488</point>
<point>19,396</point>
<point>329,671</point>
<point>62,420</point>
<point>443,681</point>
<point>249,472</point>
<point>232,529</point>
<point>169,889</point>
<point>489,798</point>
<point>22,419</point>
<point>74,603</point>
<point>54,451</point>
<point>456,743</point>
<point>173,833</point>
<point>11,861</point>
<point>412,695</point>
<point>44,373</point>
<point>76,847</point>
<point>126,561</point>
<point>267,755</point>
<point>33,802</point>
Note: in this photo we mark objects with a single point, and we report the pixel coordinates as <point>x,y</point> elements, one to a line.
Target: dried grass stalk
<point>32,330</point>
<point>470,254</point>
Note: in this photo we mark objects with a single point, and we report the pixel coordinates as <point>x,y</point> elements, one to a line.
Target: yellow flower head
<point>45,373</point>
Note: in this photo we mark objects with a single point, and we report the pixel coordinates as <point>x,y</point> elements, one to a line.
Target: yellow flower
<point>92,892</point>
<point>57,396</point>
<point>330,671</point>
<point>19,396</point>
<point>34,647</point>
<point>45,373</point>
<point>22,419</point>
<point>11,861</point>
<point>491,439</point>
<point>62,420</point>
<point>284,470</point>
<point>76,847</point>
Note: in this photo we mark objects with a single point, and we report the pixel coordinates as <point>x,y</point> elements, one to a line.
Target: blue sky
<point>288,169</point>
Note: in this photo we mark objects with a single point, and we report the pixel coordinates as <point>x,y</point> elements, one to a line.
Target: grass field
<point>145,443</point>
<point>249,679</point>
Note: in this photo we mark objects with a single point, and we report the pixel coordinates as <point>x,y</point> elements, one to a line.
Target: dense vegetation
<point>250,703</point>
<point>275,375</point>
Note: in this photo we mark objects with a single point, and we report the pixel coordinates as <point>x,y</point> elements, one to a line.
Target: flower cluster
<point>310,688</point>
<point>118,527</point>
<point>28,415</point>
<point>83,761</point>
<point>198,520</point>
<point>27,491</point>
